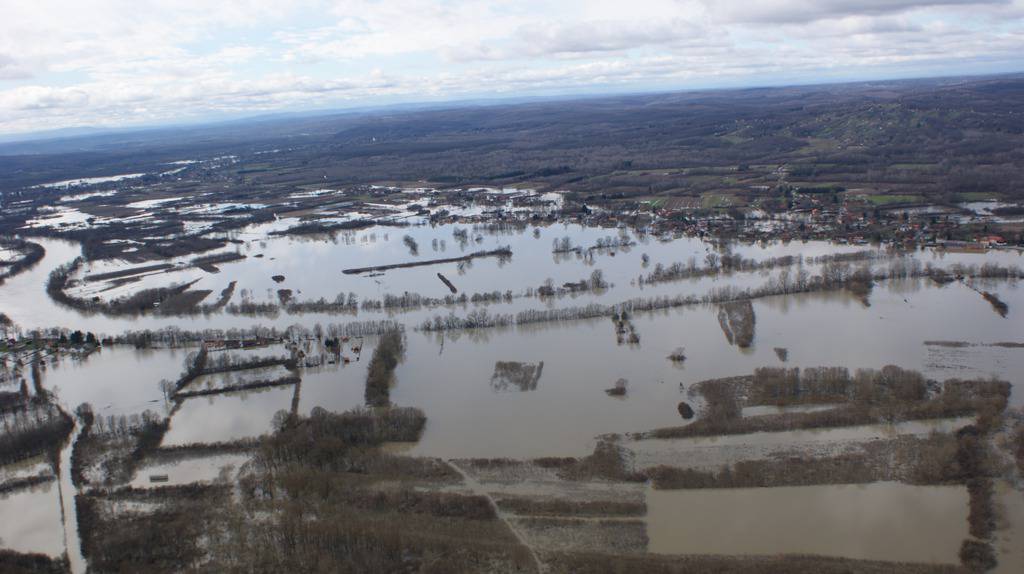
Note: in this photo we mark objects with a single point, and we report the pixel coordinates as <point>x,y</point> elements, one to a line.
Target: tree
<point>167,388</point>
<point>414,247</point>
<point>282,419</point>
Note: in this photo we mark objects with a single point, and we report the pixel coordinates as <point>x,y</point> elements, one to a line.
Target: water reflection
<point>32,520</point>
<point>227,417</point>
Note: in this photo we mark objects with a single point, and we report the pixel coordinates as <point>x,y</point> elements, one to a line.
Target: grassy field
<point>882,200</point>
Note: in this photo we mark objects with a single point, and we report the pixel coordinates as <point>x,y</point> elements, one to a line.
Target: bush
<point>685,410</point>
<point>978,556</point>
<point>390,350</point>
<point>619,390</point>
<point>12,562</point>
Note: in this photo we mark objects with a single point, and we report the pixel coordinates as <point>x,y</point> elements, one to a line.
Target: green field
<point>891,199</point>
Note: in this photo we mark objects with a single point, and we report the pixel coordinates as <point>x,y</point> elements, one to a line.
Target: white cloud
<point>112,62</point>
<point>812,10</point>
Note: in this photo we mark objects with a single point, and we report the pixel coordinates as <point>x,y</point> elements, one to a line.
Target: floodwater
<point>449,375</point>
<point>228,416</point>
<point>69,501</point>
<point>582,359</point>
<point>312,268</point>
<point>117,379</point>
<point>37,527</point>
<point>1009,536</point>
<point>190,470</point>
<point>237,378</point>
<point>879,521</point>
<point>337,387</point>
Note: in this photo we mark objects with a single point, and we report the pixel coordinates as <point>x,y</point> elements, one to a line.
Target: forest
<point>916,138</point>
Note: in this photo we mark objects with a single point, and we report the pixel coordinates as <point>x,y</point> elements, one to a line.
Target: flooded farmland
<point>588,379</point>
<point>39,524</point>
<point>880,521</point>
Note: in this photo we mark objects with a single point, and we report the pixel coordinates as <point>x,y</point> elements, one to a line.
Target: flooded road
<point>69,513</point>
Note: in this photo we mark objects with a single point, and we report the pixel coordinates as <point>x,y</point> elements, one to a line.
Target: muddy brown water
<point>190,470</point>
<point>31,520</point>
<point>312,268</point>
<point>879,521</point>
<point>448,375</point>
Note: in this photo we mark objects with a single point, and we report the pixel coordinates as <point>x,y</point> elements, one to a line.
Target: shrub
<point>978,556</point>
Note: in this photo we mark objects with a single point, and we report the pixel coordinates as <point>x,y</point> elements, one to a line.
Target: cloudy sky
<point>114,63</point>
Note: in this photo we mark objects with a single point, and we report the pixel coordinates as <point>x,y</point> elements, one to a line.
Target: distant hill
<point>917,138</point>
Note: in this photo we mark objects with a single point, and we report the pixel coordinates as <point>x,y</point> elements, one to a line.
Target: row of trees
<point>31,253</point>
<point>716,264</point>
<point>389,351</point>
<point>177,337</point>
<point>834,275</point>
<point>36,428</point>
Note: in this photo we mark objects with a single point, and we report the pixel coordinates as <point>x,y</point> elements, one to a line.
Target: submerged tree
<point>414,248</point>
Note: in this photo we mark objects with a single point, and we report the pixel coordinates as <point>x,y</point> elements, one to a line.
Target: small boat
<point>158,478</point>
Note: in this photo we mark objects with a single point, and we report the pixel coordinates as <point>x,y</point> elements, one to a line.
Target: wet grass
<point>336,503</point>
<point>869,397</point>
<point>607,462</point>
<point>908,459</point>
<point>607,563</point>
<point>12,562</point>
<point>978,556</point>
<point>532,506</point>
<point>142,542</point>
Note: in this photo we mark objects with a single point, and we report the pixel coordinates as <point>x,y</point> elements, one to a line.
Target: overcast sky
<point>113,63</point>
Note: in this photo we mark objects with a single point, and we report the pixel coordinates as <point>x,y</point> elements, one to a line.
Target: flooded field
<point>1010,539</point>
<point>227,417</point>
<point>881,521</point>
<point>568,407</point>
<point>189,470</point>
<point>526,390</point>
<point>582,358</point>
<point>310,269</point>
<point>115,380</point>
<point>32,520</point>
